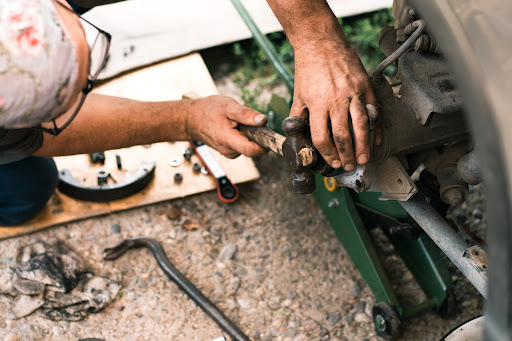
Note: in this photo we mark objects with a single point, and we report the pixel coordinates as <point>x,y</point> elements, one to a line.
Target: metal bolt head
<point>187,154</point>
<point>380,322</point>
<point>454,196</point>
<point>178,178</point>
<point>196,167</point>
<point>333,203</point>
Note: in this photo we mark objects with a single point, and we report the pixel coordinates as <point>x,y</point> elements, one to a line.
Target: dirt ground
<point>270,262</point>
<point>284,275</point>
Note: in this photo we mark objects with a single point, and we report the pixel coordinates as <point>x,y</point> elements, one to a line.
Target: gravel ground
<point>270,262</point>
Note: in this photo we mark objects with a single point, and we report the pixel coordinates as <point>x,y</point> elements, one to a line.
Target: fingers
<point>341,134</point>
<point>237,143</point>
<point>299,109</point>
<point>321,137</point>
<point>377,137</point>
<point>360,123</point>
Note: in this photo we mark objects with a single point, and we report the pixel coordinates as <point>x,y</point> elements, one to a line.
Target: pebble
<point>10,316</point>
<point>244,303</point>
<point>361,318</point>
<point>274,302</point>
<point>227,253</point>
<point>324,332</point>
<point>235,283</point>
<point>349,318</point>
<point>334,318</point>
<point>115,228</point>
<point>356,289</point>
<point>172,234</point>
<point>241,272</point>
<point>360,305</point>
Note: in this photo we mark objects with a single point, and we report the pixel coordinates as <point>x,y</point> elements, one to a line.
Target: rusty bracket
<point>479,258</point>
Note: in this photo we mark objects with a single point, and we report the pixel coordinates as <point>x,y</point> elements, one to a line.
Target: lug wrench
<point>177,277</point>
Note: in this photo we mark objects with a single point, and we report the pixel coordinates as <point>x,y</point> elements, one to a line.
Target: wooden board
<point>165,81</point>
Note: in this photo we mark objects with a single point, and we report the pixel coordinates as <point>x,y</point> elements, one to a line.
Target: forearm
<point>107,122</point>
<point>307,21</point>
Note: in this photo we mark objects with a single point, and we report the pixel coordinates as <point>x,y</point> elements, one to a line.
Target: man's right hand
<point>214,120</point>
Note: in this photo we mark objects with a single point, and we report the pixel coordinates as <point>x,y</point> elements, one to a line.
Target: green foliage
<point>363,33</point>
<point>250,62</point>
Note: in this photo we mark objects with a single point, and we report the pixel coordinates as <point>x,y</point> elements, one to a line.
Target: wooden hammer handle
<point>264,136</point>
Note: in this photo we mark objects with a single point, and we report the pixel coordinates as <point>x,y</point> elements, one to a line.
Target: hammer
<point>298,151</point>
<point>303,158</point>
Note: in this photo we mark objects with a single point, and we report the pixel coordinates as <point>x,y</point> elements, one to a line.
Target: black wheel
<point>449,306</point>
<point>475,37</point>
<point>386,320</point>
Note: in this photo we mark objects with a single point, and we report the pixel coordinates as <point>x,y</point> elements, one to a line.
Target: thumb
<point>250,117</point>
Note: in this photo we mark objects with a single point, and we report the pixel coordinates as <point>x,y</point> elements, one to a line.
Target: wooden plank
<point>168,80</point>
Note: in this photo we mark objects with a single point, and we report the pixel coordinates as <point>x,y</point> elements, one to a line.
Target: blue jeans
<point>25,187</point>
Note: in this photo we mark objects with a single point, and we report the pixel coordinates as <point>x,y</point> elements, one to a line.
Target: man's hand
<point>213,120</point>
<point>331,85</point>
<point>332,89</point>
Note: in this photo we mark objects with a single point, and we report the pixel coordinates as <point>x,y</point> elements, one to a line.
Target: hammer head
<point>300,154</point>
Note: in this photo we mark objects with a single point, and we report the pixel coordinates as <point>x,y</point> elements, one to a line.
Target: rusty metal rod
<point>446,239</point>
<point>177,277</point>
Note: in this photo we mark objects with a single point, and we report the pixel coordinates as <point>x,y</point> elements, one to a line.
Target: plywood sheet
<point>168,80</point>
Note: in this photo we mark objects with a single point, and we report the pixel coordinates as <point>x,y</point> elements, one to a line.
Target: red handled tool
<point>226,191</point>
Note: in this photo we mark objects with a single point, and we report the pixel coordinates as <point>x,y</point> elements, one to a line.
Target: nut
<point>178,178</point>
<point>196,167</point>
<point>187,154</point>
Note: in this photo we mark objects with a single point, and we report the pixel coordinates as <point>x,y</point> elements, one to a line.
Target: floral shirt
<point>37,67</point>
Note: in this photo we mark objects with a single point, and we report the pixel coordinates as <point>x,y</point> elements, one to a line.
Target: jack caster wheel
<point>386,320</point>
<point>449,306</point>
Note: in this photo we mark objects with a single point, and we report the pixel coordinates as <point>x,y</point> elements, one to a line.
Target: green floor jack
<point>351,216</point>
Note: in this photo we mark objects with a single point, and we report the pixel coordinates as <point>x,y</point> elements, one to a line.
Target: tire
<point>386,320</point>
<point>475,37</point>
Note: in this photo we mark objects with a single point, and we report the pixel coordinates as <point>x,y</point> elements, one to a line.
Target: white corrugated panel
<point>147,31</point>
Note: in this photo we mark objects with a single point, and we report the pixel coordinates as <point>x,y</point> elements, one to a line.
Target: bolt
<point>454,196</point>
<point>102,177</point>
<point>196,167</point>
<point>333,203</point>
<point>187,154</point>
<point>178,178</point>
<point>380,322</point>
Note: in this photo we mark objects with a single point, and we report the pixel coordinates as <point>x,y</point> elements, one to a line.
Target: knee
<point>25,187</point>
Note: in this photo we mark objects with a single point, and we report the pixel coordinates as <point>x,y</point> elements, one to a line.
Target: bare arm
<point>330,81</point>
<point>107,122</point>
